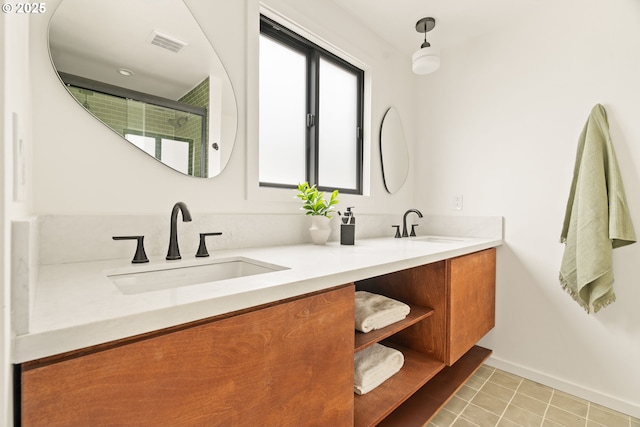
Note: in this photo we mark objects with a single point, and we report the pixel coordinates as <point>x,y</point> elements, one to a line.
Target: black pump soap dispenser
<point>348,228</point>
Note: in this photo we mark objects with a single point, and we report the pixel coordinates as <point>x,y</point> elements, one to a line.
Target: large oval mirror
<point>145,69</point>
<point>393,151</point>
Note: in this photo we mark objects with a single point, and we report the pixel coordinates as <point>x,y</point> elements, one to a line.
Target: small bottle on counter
<point>348,228</point>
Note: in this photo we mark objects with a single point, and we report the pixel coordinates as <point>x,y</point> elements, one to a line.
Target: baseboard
<point>594,396</point>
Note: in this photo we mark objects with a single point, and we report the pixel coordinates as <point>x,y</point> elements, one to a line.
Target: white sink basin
<point>170,277</point>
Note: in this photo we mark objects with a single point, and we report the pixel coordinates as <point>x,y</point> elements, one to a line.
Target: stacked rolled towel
<point>375,311</point>
<point>373,366</point>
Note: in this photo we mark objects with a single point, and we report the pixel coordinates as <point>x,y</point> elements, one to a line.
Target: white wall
<point>501,125</point>
<point>81,167</point>
<point>14,124</point>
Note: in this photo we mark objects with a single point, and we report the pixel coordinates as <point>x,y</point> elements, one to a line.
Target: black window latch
<point>311,120</point>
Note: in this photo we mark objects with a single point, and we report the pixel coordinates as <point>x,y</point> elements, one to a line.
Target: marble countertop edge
<point>77,306</point>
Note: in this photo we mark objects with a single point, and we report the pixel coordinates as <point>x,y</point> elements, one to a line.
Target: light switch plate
<point>19,161</point>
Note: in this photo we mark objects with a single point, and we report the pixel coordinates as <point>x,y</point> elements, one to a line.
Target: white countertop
<point>76,305</point>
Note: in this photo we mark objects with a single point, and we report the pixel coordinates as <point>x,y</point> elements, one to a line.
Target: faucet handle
<point>202,249</point>
<point>397,236</point>
<point>140,256</point>
<point>413,231</point>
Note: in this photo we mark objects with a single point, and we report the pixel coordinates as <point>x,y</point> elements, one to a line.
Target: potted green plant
<point>315,205</point>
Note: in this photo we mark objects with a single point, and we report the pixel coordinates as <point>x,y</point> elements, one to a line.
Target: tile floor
<point>494,398</point>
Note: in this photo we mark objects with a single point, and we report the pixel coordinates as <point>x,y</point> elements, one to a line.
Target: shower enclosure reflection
<point>151,76</point>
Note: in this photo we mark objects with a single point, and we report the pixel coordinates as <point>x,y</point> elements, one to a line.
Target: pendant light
<point>426,59</point>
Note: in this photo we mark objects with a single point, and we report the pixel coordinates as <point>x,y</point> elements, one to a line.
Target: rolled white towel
<point>375,311</point>
<point>373,366</point>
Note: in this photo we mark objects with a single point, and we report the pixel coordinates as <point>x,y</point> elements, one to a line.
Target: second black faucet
<point>404,222</point>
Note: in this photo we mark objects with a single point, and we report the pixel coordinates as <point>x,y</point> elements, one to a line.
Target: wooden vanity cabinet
<point>288,364</point>
<point>284,364</point>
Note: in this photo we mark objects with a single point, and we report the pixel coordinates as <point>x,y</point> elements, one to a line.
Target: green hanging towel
<point>597,218</point>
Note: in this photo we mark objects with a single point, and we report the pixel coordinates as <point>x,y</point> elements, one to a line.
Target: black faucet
<point>174,250</point>
<point>404,221</point>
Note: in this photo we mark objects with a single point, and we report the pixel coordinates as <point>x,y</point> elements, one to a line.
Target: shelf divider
<point>416,314</point>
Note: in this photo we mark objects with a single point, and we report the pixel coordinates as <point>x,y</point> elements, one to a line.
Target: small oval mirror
<point>146,70</point>
<point>393,151</point>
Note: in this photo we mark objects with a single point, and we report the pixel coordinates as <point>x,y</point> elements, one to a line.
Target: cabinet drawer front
<point>286,365</point>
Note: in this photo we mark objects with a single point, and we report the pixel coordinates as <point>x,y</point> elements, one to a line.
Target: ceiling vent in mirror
<point>167,42</point>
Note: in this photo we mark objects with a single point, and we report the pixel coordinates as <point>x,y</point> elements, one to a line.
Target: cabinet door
<point>290,364</point>
<point>472,294</point>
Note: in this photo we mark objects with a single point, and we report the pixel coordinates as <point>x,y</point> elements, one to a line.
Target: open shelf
<point>374,406</point>
<point>420,408</point>
<point>460,294</point>
<point>416,314</point>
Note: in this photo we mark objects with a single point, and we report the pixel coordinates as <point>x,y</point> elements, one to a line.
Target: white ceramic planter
<point>320,229</point>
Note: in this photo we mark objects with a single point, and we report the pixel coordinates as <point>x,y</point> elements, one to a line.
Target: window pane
<point>175,154</point>
<point>143,142</point>
<point>338,115</point>
<point>282,114</point>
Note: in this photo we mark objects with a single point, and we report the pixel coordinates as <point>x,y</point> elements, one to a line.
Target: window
<point>311,114</point>
<point>177,153</point>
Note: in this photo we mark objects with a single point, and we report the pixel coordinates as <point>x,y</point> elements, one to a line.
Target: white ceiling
<point>457,21</point>
<point>80,29</point>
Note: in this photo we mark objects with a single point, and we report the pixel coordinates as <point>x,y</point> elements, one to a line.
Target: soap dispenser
<point>348,228</point>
